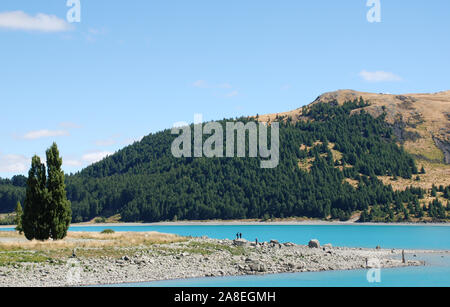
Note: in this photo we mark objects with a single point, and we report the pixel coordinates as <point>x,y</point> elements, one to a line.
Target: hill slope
<point>339,156</point>
<point>329,168</point>
<point>421,123</point>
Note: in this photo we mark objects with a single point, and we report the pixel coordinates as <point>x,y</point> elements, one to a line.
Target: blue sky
<point>130,68</point>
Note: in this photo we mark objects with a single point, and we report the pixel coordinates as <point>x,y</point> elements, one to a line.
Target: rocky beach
<point>96,259</point>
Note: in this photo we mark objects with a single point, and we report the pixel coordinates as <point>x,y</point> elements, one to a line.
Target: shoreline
<point>182,258</point>
<point>136,283</point>
<point>247,223</point>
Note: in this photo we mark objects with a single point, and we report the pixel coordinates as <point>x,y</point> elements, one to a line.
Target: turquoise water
<point>408,237</point>
<point>435,273</point>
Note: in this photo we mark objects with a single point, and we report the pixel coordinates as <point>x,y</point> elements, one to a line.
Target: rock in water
<point>314,243</point>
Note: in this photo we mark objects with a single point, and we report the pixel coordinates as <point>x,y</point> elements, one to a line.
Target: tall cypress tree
<point>47,213</point>
<point>59,207</point>
<point>35,219</point>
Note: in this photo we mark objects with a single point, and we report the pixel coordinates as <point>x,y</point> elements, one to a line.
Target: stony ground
<point>189,258</point>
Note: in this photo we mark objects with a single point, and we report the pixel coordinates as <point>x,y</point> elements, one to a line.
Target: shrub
<point>108,231</point>
<point>100,220</point>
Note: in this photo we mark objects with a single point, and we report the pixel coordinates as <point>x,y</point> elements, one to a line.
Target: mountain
<point>348,155</point>
<point>420,122</point>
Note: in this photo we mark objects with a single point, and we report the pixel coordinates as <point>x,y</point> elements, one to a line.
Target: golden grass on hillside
<point>436,173</point>
<point>425,146</point>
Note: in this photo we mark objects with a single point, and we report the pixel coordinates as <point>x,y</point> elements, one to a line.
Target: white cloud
<point>18,20</point>
<point>93,34</point>
<point>86,159</point>
<point>379,76</point>
<point>95,156</point>
<point>39,134</point>
<point>72,163</point>
<point>200,84</point>
<point>224,85</point>
<point>95,31</point>
<point>13,163</point>
<point>232,94</point>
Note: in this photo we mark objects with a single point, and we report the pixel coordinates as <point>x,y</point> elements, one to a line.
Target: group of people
<point>239,236</point>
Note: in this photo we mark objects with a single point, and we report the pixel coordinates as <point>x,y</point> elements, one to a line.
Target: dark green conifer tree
<point>59,207</point>
<point>35,219</point>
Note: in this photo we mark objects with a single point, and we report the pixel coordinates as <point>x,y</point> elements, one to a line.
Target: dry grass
<point>337,155</point>
<point>436,173</point>
<point>305,164</point>
<point>13,241</point>
<point>424,147</point>
<point>101,220</point>
<point>354,183</point>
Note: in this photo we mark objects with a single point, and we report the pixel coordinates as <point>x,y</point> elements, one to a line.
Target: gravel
<point>180,261</point>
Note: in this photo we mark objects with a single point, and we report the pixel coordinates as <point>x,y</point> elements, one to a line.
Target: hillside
<point>421,123</point>
<point>340,157</point>
<point>331,167</point>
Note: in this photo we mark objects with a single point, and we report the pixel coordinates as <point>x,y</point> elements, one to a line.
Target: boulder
<point>328,245</point>
<point>314,243</point>
<point>257,266</point>
<point>241,242</point>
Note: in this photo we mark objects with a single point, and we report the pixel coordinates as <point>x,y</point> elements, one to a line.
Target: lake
<point>435,273</point>
<point>386,236</point>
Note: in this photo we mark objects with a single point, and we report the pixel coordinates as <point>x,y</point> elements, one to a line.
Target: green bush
<point>108,232</point>
<point>100,220</point>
